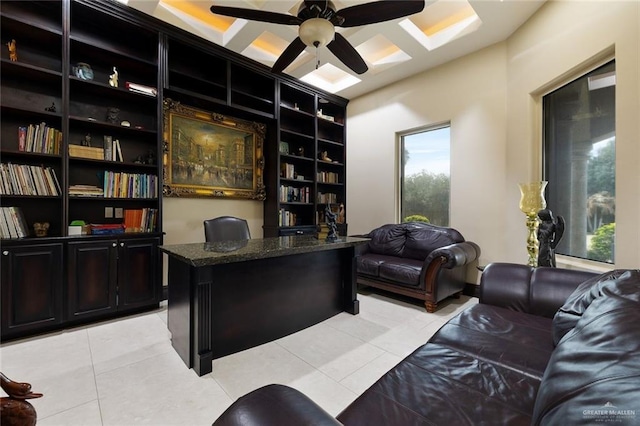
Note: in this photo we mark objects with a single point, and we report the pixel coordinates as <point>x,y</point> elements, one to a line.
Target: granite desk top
<point>205,254</point>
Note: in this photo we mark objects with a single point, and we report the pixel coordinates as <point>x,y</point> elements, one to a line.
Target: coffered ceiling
<point>393,50</point>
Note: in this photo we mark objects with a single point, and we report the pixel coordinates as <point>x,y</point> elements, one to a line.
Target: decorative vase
<point>531,202</point>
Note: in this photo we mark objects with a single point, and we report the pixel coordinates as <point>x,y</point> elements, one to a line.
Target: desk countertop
<point>205,254</point>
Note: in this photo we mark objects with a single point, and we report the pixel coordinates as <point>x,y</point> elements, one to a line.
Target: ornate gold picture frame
<point>211,155</point>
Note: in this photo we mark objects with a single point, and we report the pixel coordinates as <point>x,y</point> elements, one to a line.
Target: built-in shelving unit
<point>68,53</point>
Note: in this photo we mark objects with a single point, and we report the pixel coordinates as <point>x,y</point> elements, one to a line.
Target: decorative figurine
<point>52,108</point>
<point>151,158</point>
<point>113,78</point>
<point>341,214</point>
<point>300,151</point>
<point>41,228</point>
<point>549,235</point>
<point>86,141</point>
<point>83,71</point>
<point>324,156</point>
<point>112,115</point>
<point>13,53</point>
<point>14,410</point>
<point>330,218</point>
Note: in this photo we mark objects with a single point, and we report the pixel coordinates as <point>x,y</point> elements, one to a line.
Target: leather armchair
<point>226,228</point>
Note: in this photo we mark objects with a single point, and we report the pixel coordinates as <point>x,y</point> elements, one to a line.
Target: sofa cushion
<point>402,271</point>
<point>593,375</point>
<point>423,238</point>
<point>568,315</point>
<point>482,368</point>
<point>369,264</point>
<point>388,240</point>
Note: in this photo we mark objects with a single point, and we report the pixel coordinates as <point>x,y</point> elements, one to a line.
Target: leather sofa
<point>544,346</point>
<point>416,259</point>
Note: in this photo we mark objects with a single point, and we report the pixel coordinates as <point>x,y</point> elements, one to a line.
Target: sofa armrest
<point>275,405</point>
<point>539,291</point>
<point>453,255</point>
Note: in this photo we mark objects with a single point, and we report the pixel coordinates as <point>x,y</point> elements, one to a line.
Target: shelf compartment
<point>294,122</point>
<point>111,35</point>
<point>330,132</point>
<point>196,70</point>
<point>31,89</point>
<point>36,47</point>
<point>42,15</point>
<point>13,118</point>
<point>38,209</point>
<point>292,97</point>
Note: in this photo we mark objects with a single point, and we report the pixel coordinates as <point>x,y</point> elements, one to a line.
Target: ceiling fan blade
<point>378,11</point>
<point>289,55</point>
<point>256,15</point>
<point>347,54</point>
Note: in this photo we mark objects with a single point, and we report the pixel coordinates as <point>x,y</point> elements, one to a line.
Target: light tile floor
<point>125,372</point>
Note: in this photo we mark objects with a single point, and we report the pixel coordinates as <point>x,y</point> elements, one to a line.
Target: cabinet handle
<point>121,244</point>
<point>299,232</point>
<point>6,253</point>
<point>113,244</point>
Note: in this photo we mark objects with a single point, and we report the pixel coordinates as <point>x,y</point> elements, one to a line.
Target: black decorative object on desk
<point>550,232</point>
<point>331,222</point>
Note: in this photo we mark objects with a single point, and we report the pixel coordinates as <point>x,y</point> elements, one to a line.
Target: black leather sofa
<point>416,259</point>
<point>544,346</point>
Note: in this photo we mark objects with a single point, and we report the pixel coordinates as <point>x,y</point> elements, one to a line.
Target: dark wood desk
<point>230,296</point>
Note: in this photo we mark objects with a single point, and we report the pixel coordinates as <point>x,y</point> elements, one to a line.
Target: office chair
<point>226,228</point>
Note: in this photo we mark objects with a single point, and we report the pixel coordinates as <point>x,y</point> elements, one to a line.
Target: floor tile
<point>331,351</point>
<point>86,414</point>
<point>364,377</point>
<point>159,390</point>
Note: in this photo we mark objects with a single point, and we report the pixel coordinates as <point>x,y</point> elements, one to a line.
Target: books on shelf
<point>292,194</point>
<point>286,218</point>
<point>327,198</point>
<point>130,185</point>
<point>25,179</point>
<point>39,138</point>
<point>140,220</point>
<point>140,88</point>
<point>328,177</point>
<point>106,229</point>
<point>91,152</point>
<point>13,223</point>
<point>111,149</point>
<point>85,191</point>
<point>287,171</point>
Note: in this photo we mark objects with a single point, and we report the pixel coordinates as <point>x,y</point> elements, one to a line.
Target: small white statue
<point>113,78</point>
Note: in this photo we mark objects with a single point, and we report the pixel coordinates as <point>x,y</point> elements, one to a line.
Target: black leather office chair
<point>226,228</point>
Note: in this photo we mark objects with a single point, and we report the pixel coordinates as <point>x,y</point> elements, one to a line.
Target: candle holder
<point>531,202</point>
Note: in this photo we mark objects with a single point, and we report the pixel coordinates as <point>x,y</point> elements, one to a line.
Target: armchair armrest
<point>539,291</point>
<point>275,405</point>
<point>454,255</point>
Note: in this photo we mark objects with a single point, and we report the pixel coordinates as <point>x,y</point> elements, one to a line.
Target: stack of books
<point>107,229</point>
<point>85,191</point>
<point>323,231</point>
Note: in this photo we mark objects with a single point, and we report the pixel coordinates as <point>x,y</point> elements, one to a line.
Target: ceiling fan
<point>317,20</point>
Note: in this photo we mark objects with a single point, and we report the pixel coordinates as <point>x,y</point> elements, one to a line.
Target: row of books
<point>39,138</point>
<point>12,223</point>
<point>24,179</point>
<point>292,194</point>
<point>286,218</point>
<point>140,220</point>
<point>327,198</point>
<point>130,185</point>
<point>328,177</point>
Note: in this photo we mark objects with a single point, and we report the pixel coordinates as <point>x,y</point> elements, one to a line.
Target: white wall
<point>491,98</point>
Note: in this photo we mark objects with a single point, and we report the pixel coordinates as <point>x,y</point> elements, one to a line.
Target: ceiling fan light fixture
<point>316,32</point>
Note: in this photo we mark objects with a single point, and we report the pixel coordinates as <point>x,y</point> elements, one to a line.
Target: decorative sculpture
<point>14,410</point>
<point>13,52</point>
<point>330,218</point>
<point>113,78</point>
<point>550,232</point>
<point>86,141</point>
<point>112,115</point>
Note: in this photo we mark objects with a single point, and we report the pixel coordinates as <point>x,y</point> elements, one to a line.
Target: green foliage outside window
<point>602,243</point>
<point>427,194</point>
<point>416,218</point>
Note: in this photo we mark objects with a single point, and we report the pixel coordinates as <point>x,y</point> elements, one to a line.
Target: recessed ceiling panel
<point>381,54</point>
<point>330,78</point>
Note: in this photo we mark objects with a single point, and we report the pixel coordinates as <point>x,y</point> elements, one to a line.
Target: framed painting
<point>211,155</point>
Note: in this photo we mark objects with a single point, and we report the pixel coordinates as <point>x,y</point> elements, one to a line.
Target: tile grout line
<point>95,379</point>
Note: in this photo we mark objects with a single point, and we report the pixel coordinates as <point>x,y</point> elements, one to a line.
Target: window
<point>424,175</point>
<point>579,163</point>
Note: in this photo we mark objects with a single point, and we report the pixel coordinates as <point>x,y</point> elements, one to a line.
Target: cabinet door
<point>31,288</point>
<point>138,273</point>
<point>92,279</point>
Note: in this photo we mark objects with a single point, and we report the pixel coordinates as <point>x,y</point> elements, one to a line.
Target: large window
<point>579,163</point>
<point>425,186</point>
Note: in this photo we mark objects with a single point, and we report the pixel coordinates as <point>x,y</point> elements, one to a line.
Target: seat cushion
<point>369,264</point>
<point>402,271</point>
<point>484,367</point>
